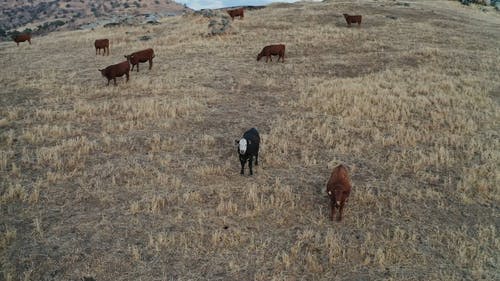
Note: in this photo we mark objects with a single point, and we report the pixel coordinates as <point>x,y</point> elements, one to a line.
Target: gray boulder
<point>152,19</point>
<point>208,13</point>
<point>220,25</point>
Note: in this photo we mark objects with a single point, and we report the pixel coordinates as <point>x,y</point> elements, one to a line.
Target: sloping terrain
<point>141,181</point>
<point>32,13</point>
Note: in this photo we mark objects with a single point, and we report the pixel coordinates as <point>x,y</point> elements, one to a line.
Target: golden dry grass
<point>141,181</point>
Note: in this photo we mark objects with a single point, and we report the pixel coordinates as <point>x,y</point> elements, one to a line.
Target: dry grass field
<point>141,181</point>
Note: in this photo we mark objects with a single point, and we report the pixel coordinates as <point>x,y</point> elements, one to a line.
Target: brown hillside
<point>141,181</point>
<point>31,13</point>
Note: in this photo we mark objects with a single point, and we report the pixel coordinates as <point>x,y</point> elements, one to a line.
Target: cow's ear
<point>236,142</point>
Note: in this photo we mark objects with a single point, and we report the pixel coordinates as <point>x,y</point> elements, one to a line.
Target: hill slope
<point>31,13</point>
<point>141,181</point>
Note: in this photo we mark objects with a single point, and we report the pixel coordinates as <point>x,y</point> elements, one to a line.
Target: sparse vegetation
<point>14,15</point>
<point>141,180</point>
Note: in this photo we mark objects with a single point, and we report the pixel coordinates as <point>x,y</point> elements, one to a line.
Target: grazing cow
<point>141,56</point>
<point>352,19</point>
<point>21,38</point>
<point>116,70</point>
<point>248,146</point>
<point>275,50</point>
<point>101,44</point>
<point>338,189</point>
<point>236,13</point>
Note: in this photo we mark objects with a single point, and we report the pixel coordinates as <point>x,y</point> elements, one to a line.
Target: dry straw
<point>141,180</point>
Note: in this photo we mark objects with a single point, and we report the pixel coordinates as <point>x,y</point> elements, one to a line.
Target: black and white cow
<point>248,147</point>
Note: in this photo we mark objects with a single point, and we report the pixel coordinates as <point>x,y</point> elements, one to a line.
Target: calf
<point>21,38</point>
<point>272,50</point>
<point>338,189</point>
<point>116,70</point>
<point>141,56</point>
<point>352,19</point>
<point>101,44</point>
<point>248,147</point>
<point>236,13</point>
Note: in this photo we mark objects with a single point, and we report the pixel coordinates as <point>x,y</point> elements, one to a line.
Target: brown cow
<point>141,56</point>
<point>352,19</point>
<point>101,44</point>
<point>338,189</point>
<point>116,70</point>
<point>236,13</point>
<point>21,38</point>
<point>275,50</point>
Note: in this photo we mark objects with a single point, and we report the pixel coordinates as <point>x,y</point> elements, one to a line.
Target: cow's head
<point>259,56</point>
<point>242,146</point>
<point>128,57</point>
<point>103,71</point>
<point>338,195</point>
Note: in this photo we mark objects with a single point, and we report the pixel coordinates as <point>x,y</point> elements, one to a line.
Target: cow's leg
<point>332,213</point>
<point>96,51</point>
<point>108,50</point>
<point>29,41</point>
<point>257,159</point>
<point>250,164</point>
<point>114,79</point>
<point>341,208</point>
<point>108,81</point>
<point>242,167</point>
<point>127,74</point>
<point>17,44</point>
<point>132,69</point>
<point>104,51</point>
<point>150,64</point>
<point>138,67</point>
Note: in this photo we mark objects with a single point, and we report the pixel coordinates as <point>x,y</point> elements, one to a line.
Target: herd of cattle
<point>339,185</point>
<point>123,68</point>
